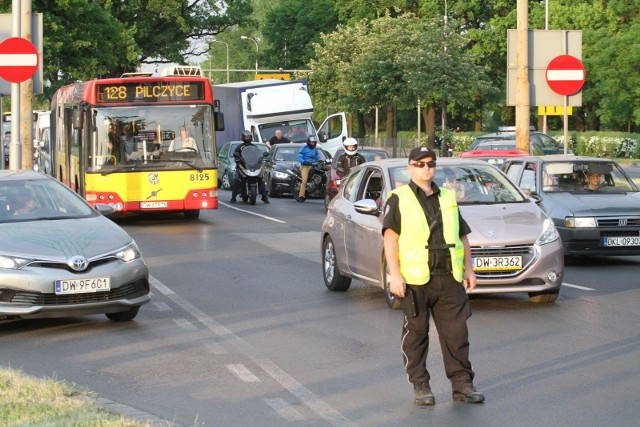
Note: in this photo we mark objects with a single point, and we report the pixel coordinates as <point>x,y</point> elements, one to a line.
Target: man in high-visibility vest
<point>429,260</point>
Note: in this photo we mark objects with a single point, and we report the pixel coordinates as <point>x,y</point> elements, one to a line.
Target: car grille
<point>527,252</point>
<point>131,290</point>
<point>619,222</point>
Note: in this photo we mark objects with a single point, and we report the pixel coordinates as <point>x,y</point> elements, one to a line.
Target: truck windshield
<point>294,130</point>
<point>132,138</point>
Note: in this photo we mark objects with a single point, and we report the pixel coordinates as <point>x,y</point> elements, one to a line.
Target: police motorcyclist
<point>237,156</point>
<point>307,154</point>
<point>350,158</point>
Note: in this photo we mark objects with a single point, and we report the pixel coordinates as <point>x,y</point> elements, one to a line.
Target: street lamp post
<point>227,45</point>
<point>253,40</point>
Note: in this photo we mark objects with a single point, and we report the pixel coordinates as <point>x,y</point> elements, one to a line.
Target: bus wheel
<point>192,214</point>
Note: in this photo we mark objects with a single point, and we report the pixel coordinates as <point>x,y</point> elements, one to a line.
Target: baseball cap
<point>421,152</point>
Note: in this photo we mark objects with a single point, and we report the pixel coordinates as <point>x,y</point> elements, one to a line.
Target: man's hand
<point>469,281</point>
<point>397,286</point>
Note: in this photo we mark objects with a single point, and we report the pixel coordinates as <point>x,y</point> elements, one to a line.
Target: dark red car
<point>333,180</point>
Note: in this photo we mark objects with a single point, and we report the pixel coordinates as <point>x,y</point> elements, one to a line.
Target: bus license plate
<point>497,263</point>
<point>153,205</point>
<point>83,286</point>
<point>622,241</point>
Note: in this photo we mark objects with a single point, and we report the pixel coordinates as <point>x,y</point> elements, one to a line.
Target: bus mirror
<point>78,122</point>
<point>218,119</point>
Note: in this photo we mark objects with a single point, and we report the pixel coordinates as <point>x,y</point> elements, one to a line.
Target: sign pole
<point>15,149</point>
<point>26,92</point>
<point>566,123</point>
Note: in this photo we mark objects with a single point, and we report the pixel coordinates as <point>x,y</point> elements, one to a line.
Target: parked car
<point>281,158</point>
<point>333,182</point>
<point>605,221</point>
<point>59,257</point>
<point>544,142</point>
<point>514,247</point>
<point>227,165</point>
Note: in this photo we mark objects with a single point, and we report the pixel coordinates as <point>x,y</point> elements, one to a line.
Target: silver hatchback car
<point>515,248</point>
<point>59,257</point>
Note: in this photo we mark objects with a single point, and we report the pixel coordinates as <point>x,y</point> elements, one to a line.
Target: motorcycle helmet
<point>246,136</point>
<point>312,141</point>
<point>350,146</point>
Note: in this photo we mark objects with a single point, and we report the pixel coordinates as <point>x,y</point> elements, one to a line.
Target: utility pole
<point>26,94</point>
<point>523,108</point>
<point>15,155</point>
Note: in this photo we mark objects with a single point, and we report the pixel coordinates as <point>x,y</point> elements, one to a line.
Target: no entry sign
<point>565,75</point>
<point>18,59</point>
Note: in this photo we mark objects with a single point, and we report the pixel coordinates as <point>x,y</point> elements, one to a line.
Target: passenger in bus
<point>185,142</point>
<point>128,140</point>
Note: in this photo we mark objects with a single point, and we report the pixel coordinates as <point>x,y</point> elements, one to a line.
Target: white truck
<point>262,106</point>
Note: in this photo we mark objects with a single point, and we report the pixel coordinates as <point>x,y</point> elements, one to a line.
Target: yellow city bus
<point>139,143</point>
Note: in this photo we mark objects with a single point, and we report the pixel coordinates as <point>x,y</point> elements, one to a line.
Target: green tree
<point>84,39</point>
<point>290,29</point>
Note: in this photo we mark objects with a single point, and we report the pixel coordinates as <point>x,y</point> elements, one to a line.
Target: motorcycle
<point>316,183</point>
<point>447,150</point>
<point>249,172</point>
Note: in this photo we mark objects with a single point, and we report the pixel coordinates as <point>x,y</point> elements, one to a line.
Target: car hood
<point>61,239</point>
<point>595,204</point>
<point>283,165</point>
<point>500,224</point>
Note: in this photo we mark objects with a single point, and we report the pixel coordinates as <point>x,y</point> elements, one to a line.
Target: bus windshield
<point>167,137</point>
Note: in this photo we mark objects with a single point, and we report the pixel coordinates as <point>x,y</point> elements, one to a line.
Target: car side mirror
<point>366,206</point>
<point>104,209</point>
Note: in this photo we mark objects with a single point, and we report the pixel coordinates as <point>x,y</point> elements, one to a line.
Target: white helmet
<point>350,146</point>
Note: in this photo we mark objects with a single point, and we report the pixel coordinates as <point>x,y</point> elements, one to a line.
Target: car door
<point>363,232</point>
<point>332,132</point>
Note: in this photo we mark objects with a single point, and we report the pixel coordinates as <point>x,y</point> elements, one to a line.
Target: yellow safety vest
<point>414,236</point>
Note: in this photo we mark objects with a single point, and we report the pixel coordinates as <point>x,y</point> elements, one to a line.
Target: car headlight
<point>12,263</point>
<point>280,175</point>
<point>129,253</point>
<point>549,233</point>
<point>577,222</point>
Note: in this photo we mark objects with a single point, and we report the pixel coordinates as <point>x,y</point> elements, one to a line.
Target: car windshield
<point>473,184</point>
<point>133,138</point>
<point>587,176</point>
<point>287,154</point>
<point>294,130</point>
<point>28,200</point>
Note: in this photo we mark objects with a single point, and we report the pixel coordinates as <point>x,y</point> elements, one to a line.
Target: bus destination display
<point>150,92</point>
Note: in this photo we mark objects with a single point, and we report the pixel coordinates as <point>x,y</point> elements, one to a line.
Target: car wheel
<point>332,277</point>
<point>124,316</point>
<point>226,183</point>
<point>392,301</point>
<point>272,189</point>
<point>544,297</point>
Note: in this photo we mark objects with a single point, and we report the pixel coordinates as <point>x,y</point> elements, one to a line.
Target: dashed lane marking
<point>243,373</point>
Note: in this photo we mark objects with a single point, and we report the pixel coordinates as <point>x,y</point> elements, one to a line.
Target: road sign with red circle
<point>565,75</point>
<point>18,59</point>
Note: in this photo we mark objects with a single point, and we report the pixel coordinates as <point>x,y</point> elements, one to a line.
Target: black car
<point>281,158</point>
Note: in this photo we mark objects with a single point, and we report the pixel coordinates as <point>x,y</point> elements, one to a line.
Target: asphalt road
<point>242,331</point>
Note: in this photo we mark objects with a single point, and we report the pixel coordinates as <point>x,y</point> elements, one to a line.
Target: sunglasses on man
<point>430,164</point>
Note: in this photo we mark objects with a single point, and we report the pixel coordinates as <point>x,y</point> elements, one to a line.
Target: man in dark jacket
<point>350,158</point>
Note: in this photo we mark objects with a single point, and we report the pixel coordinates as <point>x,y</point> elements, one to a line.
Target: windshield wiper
<point>151,162</point>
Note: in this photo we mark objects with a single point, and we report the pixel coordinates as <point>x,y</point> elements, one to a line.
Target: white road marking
<point>317,405</point>
<point>583,288</point>
<point>243,373</point>
<point>252,213</point>
<point>161,306</point>
<point>285,410</point>
<point>185,324</point>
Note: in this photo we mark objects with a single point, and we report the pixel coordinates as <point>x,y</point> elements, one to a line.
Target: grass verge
<point>27,401</point>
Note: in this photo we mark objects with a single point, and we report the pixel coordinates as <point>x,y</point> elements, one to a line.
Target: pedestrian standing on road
<point>429,258</point>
